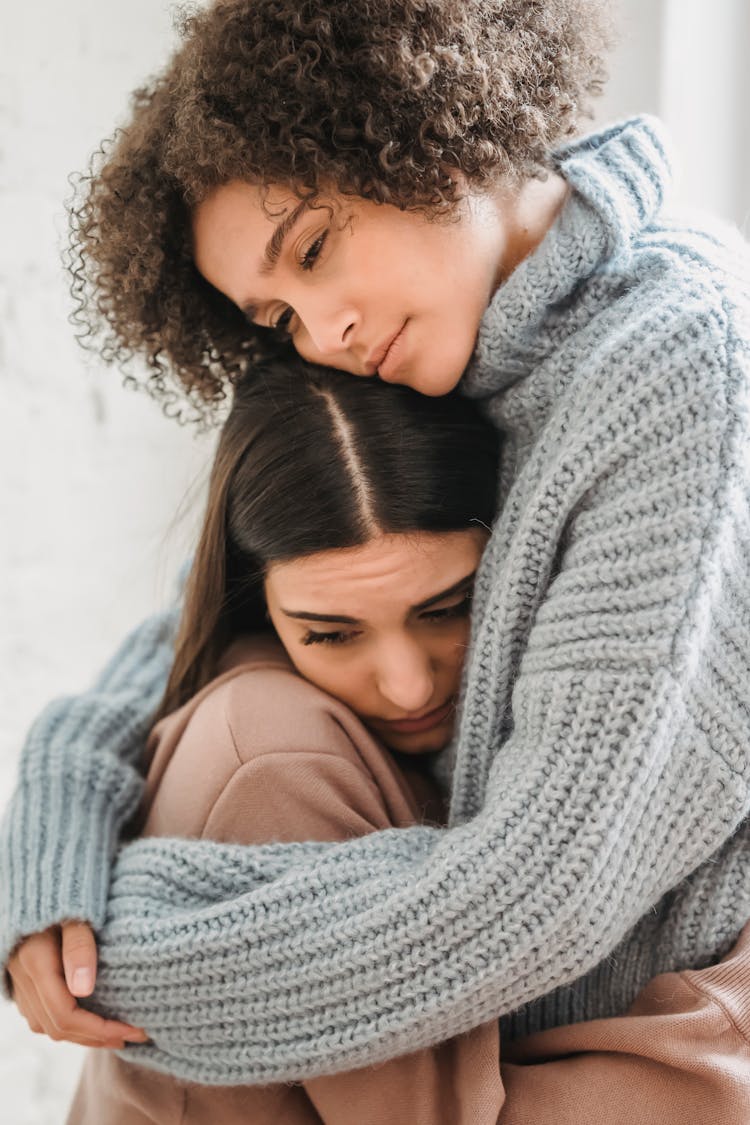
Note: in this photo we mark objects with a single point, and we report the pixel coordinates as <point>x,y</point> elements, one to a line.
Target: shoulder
<point>261,708</point>
<point>261,754</point>
<point>665,358</point>
<point>268,708</point>
<point>268,756</point>
<point>688,271</point>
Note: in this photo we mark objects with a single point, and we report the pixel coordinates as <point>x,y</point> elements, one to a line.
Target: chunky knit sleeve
<point>79,782</point>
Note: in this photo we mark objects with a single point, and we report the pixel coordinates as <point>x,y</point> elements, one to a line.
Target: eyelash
<point>309,258</point>
<point>460,609</point>
<point>311,255</point>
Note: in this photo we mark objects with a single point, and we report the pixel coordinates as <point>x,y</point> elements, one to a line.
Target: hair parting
<point>310,460</point>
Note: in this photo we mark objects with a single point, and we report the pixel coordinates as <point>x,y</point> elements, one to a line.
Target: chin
<point>428,743</point>
<point>441,378</point>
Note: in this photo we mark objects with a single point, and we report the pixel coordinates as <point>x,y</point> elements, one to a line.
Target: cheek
<point>305,348</point>
<point>453,650</point>
<point>331,671</point>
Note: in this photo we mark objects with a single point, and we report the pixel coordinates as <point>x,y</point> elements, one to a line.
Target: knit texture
<point>79,782</point>
<point>599,830</point>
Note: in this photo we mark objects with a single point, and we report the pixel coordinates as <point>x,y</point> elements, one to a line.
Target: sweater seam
<point>233,740</point>
<point>707,537</point>
<point>252,762</point>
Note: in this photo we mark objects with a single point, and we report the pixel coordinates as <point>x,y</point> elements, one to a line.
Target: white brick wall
<point>91,476</point>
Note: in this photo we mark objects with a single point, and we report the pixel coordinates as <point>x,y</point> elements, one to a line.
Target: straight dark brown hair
<point>311,459</point>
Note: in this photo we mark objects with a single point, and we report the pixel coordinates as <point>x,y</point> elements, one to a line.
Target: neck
<point>527,213</point>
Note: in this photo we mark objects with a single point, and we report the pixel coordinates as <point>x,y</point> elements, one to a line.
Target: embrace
<point>441,760</point>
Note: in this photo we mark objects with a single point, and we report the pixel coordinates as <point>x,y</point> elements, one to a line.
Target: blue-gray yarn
<point>601,771</point>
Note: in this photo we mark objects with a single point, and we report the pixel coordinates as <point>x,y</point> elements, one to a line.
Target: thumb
<point>79,957</point>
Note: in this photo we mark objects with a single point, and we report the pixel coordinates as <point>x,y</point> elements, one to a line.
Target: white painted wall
<point>686,61</point>
<point>705,98</point>
<point>91,476</point>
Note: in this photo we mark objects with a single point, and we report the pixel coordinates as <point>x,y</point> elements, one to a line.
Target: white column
<point>705,100</point>
<point>687,62</point>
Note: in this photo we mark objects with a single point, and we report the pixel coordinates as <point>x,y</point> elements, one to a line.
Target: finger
<point>36,1024</point>
<point>36,955</point>
<point>28,1009</point>
<point>36,968</point>
<point>79,957</point>
<point>62,1016</point>
<point>30,1012</point>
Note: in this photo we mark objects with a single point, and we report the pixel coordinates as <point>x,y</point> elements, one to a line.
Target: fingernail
<point>136,1037</point>
<point>82,980</point>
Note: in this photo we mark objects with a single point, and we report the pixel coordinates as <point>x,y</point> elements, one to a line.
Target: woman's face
<point>383,627</point>
<point>359,286</point>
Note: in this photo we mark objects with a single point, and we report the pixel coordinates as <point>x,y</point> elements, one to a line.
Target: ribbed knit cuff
<point>56,842</point>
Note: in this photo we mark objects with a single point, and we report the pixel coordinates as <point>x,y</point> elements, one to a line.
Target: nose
<point>406,675</point>
<point>332,328</point>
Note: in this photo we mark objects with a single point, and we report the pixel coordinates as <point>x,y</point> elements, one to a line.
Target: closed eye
<point>338,638</point>
<point>459,609</point>
<point>311,255</point>
<point>282,325</point>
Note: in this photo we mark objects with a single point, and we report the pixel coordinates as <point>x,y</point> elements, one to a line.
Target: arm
<point>624,767</point>
<point>614,779</point>
<point>336,786</point>
<point>318,796</point>
<point>73,798</point>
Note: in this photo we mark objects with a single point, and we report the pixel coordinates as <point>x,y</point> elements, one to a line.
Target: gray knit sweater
<point>601,772</point>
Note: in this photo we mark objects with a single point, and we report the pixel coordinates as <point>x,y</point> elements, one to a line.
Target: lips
<point>423,722</point>
<point>377,357</point>
<point>389,364</point>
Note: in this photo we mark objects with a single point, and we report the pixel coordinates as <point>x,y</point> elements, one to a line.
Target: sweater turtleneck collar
<point>618,179</point>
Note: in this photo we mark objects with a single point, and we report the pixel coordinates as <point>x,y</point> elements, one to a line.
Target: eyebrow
<point>273,248</point>
<point>340,619</point>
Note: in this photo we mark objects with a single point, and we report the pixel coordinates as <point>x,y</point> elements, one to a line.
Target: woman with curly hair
<point>394,189</point>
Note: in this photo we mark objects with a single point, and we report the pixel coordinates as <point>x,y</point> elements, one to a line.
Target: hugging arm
<point>80,780</point>
<point>624,769</point>
<point>338,956</point>
<point>620,768</point>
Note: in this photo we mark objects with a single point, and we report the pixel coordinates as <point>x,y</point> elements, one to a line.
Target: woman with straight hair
<point>400,189</point>
<point>316,674</point>
<point>280,721</point>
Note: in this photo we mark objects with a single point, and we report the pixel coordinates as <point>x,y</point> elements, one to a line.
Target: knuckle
<point>77,935</point>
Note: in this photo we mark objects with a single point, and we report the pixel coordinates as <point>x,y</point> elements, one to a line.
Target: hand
<point>48,971</point>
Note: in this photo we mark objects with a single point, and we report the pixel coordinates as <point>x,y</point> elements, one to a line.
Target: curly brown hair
<point>374,98</point>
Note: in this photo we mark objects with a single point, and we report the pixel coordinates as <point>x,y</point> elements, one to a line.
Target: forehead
<point>238,232</point>
<point>389,573</point>
<point>237,210</point>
